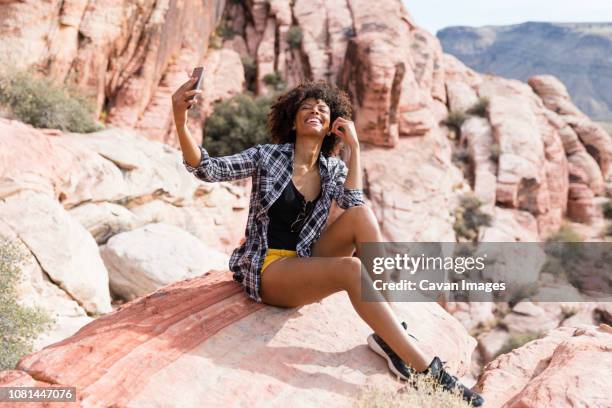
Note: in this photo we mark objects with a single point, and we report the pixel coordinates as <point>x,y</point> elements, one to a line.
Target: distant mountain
<point>579,54</point>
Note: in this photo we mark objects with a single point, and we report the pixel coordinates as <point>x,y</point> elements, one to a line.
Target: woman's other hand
<point>183,99</point>
<point>346,130</point>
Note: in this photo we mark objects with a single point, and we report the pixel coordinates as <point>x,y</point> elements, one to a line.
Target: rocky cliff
<point>577,54</point>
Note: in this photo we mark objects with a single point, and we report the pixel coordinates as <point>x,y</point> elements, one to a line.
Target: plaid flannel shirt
<point>271,168</point>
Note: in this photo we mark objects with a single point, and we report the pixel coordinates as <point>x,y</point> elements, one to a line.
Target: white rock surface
<point>63,248</point>
<point>103,220</point>
<point>155,255</point>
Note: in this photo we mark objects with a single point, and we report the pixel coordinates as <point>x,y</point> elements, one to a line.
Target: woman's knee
<point>348,272</point>
<point>362,214</point>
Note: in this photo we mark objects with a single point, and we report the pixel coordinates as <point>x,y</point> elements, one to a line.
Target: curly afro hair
<point>282,114</point>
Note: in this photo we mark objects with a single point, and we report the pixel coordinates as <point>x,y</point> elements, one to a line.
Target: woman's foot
<point>435,370</point>
<point>395,363</point>
<point>450,383</point>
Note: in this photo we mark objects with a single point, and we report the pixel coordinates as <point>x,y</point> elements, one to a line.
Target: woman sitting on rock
<point>288,259</point>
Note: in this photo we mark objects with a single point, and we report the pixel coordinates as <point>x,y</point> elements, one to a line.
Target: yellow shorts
<point>276,254</point>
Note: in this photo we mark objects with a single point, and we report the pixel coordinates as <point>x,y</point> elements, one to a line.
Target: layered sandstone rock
<point>191,343</point>
<point>595,139</point>
<point>400,81</point>
<point>117,52</point>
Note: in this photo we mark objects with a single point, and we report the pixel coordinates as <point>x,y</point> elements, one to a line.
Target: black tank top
<point>283,213</point>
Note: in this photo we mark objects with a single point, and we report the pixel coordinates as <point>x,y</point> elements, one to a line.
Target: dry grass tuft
<point>426,394</point>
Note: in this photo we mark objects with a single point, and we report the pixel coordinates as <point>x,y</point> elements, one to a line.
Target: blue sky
<point>436,14</point>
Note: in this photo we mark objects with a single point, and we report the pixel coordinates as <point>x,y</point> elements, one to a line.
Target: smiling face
<point>312,118</point>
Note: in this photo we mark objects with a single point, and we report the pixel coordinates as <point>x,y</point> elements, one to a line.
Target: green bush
<point>607,209</point>
<point>250,72</point>
<point>214,41</point>
<point>455,119</point>
<point>274,81</point>
<point>237,124</point>
<point>522,293</point>
<point>565,234</point>
<point>609,230</point>
<point>479,108</point>
<point>43,104</point>
<point>294,36</point>
<point>469,217</point>
<point>226,32</point>
<point>517,340</point>
<point>495,152</point>
<point>19,325</point>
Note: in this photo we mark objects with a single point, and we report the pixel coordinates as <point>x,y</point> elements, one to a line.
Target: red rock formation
<point>567,368</point>
<point>400,81</point>
<point>201,342</point>
<point>117,52</point>
<point>588,146</point>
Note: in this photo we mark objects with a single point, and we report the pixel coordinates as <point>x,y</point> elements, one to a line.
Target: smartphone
<point>198,72</point>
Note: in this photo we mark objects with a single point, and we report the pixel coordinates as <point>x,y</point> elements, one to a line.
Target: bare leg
<point>293,282</point>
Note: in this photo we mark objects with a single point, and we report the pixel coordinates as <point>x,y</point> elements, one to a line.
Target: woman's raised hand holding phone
<point>184,97</point>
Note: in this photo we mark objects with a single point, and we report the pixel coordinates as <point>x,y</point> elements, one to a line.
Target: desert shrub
<point>517,340</point>
<point>469,217</point>
<point>19,325</point>
<point>554,266</point>
<point>565,234</point>
<point>250,72</point>
<point>44,104</point>
<point>455,119</point>
<point>294,36</point>
<point>479,108</point>
<point>214,41</point>
<point>236,124</point>
<point>607,209</point>
<point>566,256</point>
<point>495,152</point>
<point>426,393</point>
<point>522,293</point>
<point>461,156</point>
<point>226,32</point>
<point>274,81</point>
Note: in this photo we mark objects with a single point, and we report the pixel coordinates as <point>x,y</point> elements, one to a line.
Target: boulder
<point>490,343</point>
<point>66,252</point>
<point>567,368</point>
<point>35,289</point>
<point>150,169</point>
<point>508,225</point>
<point>72,173</point>
<point>461,96</point>
<point>147,258</point>
<point>527,317</point>
<point>103,220</point>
